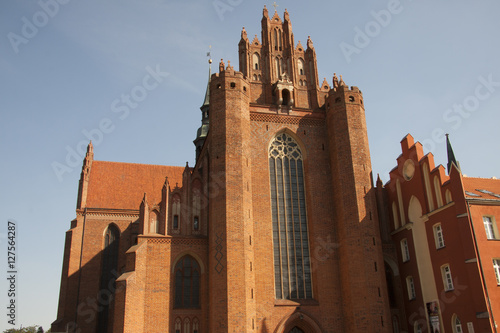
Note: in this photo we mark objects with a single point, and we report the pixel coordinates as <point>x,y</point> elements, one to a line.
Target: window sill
<point>295,302</point>
<point>439,248</point>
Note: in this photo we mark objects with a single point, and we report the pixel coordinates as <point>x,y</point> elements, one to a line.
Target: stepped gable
<point>117,185</point>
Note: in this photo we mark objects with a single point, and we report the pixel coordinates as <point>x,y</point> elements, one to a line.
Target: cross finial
<point>208,54</point>
<point>275,5</point>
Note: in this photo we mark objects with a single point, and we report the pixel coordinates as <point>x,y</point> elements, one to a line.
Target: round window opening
<point>408,169</point>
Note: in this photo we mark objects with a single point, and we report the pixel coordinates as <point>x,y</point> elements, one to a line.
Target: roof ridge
<point>132,163</point>
<point>468,177</point>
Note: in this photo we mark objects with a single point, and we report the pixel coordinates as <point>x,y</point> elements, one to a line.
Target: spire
<point>451,156</point>
<point>206,102</point>
<point>202,132</point>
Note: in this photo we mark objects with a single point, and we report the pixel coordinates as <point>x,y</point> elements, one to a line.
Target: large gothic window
<point>187,283</point>
<point>292,270</point>
<point>109,273</point>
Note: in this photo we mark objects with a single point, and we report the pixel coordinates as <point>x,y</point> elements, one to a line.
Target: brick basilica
<point>274,229</point>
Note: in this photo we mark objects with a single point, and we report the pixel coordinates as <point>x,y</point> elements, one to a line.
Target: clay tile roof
<point>482,188</point>
<point>116,185</point>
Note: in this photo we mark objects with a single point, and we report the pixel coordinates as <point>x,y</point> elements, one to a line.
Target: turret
<point>244,52</point>
<point>356,209</point>
<point>230,155</point>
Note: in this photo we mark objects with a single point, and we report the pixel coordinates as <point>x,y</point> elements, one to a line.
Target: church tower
<point>294,242</point>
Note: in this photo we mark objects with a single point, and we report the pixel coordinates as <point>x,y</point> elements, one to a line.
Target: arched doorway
<point>296,330</point>
<point>298,322</point>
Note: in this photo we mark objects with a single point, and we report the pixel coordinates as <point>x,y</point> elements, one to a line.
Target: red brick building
<point>441,245</point>
<point>274,229</point>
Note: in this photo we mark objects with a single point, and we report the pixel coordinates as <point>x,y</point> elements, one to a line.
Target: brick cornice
<point>103,212</point>
<point>285,119</point>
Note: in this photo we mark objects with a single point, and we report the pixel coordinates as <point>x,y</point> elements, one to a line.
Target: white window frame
<point>490,227</point>
<point>405,250</point>
<point>496,268</point>
<point>447,277</point>
<point>410,285</point>
<point>456,324</point>
<point>438,235</point>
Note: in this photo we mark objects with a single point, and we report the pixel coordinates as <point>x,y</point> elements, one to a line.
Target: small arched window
<point>276,39</point>
<point>279,66</point>
<point>196,325</point>
<point>187,325</point>
<point>178,325</point>
<point>300,66</point>
<point>154,226</point>
<point>176,210</point>
<point>187,283</point>
<point>256,61</point>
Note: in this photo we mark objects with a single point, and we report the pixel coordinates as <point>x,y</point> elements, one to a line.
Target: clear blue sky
<point>429,66</point>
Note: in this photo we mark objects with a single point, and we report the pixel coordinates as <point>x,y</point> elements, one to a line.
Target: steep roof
<point>117,185</point>
<point>482,188</point>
